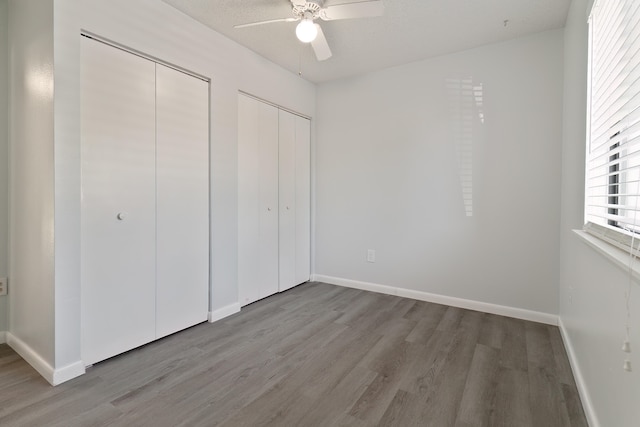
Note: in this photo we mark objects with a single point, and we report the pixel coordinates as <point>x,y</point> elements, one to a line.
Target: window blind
<point>612,193</point>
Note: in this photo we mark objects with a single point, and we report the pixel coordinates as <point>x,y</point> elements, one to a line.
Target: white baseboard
<point>502,310</point>
<point>3,337</point>
<point>31,357</point>
<point>585,397</point>
<point>66,373</point>
<point>223,312</point>
<point>54,376</point>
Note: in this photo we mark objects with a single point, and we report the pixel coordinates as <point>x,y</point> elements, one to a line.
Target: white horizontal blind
<point>613,160</point>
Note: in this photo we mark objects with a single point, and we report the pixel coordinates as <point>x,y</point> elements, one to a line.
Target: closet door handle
<point>121,216</point>
<point>269,209</point>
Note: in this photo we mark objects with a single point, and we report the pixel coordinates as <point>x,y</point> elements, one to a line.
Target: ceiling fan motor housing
<point>311,7</point>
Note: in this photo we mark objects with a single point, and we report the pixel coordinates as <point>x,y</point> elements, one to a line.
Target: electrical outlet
<point>371,255</point>
<point>3,286</point>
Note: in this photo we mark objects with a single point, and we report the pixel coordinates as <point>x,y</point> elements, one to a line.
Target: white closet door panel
<point>257,199</point>
<point>248,200</point>
<point>118,181</point>
<point>287,194</point>
<point>182,188</point>
<point>268,182</point>
<point>303,200</point>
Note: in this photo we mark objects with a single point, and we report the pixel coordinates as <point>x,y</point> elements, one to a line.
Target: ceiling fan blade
<point>320,45</point>
<point>299,3</point>
<point>363,9</point>
<point>252,24</point>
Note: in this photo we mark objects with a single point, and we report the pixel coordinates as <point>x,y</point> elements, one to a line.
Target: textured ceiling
<point>410,30</point>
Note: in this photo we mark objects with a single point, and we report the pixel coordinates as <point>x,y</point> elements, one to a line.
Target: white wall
<point>4,160</point>
<point>31,313</point>
<point>66,27</point>
<point>592,305</point>
<point>390,166</point>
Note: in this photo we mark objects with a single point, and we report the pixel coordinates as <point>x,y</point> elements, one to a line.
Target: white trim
<point>280,107</point>
<point>31,357</point>
<point>223,312</point>
<point>618,237</point>
<point>54,376</point>
<point>614,254</point>
<point>502,310</point>
<point>135,52</point>
<point>583,391</point>
<point>68,372</point>
<point>3,337</point>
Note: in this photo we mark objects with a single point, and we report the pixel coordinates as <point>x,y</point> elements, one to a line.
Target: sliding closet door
<point>182,159</point>
<point>294,193</point>
<point>257,199</point>
<point>118,201</point>
<point>287,195</point>
<point>303,200</point>
<point>268,209</point>
<point>248,202</point>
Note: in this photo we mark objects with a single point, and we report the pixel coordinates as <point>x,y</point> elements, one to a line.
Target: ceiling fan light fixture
<point>306,31</point>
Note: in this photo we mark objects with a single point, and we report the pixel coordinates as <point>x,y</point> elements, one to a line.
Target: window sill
<point>616,255</point>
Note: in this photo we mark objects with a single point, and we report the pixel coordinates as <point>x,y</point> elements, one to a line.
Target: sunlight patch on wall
<point>465,104</point>
<point>39,82</point>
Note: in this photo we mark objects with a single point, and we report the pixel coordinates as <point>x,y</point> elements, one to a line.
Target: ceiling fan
<point>307,11</point>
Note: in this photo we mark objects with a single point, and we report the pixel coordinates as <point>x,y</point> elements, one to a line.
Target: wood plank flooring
<point>317,355</point>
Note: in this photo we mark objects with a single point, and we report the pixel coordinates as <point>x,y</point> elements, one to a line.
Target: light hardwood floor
<point>317,355</point>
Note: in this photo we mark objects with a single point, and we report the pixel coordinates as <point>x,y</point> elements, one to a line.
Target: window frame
<point>615,232</point>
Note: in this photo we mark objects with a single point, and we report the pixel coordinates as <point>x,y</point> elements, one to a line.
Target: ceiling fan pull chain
<point>300,61</point>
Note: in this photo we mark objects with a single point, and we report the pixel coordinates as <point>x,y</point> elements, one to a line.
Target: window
<point>612,193</point>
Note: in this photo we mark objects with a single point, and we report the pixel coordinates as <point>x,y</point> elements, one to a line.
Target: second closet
<point>273,199</point>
